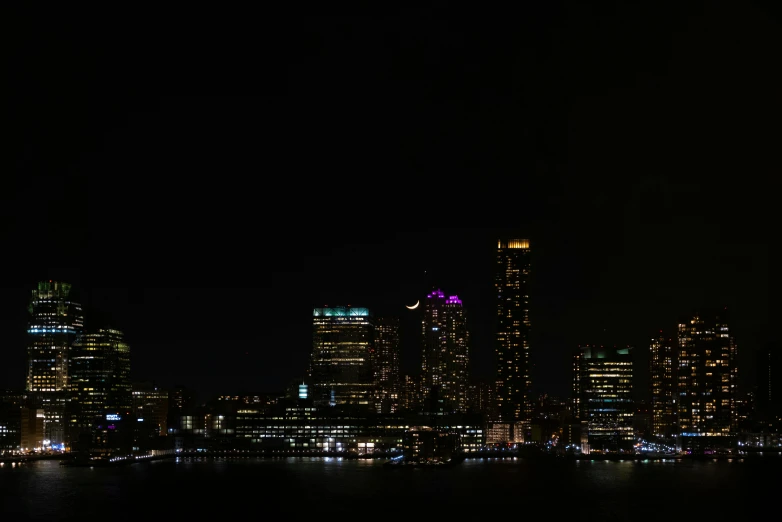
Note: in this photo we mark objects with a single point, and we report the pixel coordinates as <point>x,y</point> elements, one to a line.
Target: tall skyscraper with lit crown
<point>55,322</point>
<point>512,287</point>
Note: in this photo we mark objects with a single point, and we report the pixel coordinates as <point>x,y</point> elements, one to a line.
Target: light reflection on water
<point>296,487</point>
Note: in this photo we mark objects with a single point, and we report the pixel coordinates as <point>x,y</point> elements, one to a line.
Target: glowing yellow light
<point>515,243</point>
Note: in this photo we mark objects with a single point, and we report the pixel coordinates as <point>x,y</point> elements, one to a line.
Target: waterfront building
<point>11,403</point>
<point>181,402</point>
<point>707,380</point>
<point>55,322</point>
<point>341,363</point>
<point>605,377</point>
<point>428,444</point>
<point>100,383</point>
<point>386,365</point>
<point>498,433</point>
<point>768,371</point>
<point>445,357</point>
<point>663,386</point>
<point>150,405</point>
<point>313,430</point>
<point>512,288</point>
<point>32,428</point>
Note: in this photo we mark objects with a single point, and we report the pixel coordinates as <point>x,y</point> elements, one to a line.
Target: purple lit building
<point>445,361</point>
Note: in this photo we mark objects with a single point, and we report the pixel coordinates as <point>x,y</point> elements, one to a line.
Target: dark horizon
<point>204,191</point>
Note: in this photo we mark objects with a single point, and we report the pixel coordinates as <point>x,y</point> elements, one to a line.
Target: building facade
<point>11,403</point>
<point>411,393</point>
<point>445,357</point>
<point>150,403</point>
<point>343,353</point>
<point>481,397</point>
<point>55,322</point>
<point>707,379</point>
<point>663,387</point>
<point>386,365</point>
<point>605,381</point>
<point>512,287</point>
<point>768,373</point>
<point>303,428</point>
<point>100,381</point>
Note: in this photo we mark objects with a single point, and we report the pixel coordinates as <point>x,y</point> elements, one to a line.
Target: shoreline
<point>73,460</point>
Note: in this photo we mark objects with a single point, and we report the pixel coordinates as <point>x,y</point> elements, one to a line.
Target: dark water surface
<point>299,488</point>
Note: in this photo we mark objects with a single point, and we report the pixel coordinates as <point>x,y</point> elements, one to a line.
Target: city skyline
<point>208,214</point>
<point>287,256</point>
<point>411,356</point>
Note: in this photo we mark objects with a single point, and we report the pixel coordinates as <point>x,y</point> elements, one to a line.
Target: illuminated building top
<point>513,243</point>
<point>341,363</point>
<point>454,299</point>
<point>340,311</point>
<point>436,293</point>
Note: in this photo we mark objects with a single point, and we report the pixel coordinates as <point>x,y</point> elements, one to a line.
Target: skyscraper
<point>662,384</point>
<point>445,357</point>
<point>768,379</point>
<point>512,287</point>
<point>99,380</point>
<point>386,365</point>
<point>707,378</point>
<point>341,364</point>
<point>603,381</point>
<point>54,323</point>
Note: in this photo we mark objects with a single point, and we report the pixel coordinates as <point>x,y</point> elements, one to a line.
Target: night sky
<point>205,185</point>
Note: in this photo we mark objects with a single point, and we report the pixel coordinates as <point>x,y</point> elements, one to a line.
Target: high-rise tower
<point>662,384</point>
<point>99,380</point>
<point>386,365</point>
<point>54,323</point>
<point>603,381</point>
<point>512,286</point>
<point>341,365</point>
<point>707,379</point>
<point>768,379</point>
<point>445,358</point>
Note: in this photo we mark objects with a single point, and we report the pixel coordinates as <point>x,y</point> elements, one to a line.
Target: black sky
<point>204,182</point>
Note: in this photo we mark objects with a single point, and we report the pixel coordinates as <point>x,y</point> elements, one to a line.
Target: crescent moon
<point>414,306</point>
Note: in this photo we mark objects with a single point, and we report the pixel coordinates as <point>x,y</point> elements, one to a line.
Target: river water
<point>300,488</point>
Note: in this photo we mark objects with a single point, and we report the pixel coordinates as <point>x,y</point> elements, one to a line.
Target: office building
<point>341,364</point>
<point>55,322</point>
<point>605,377</point>
<point>512,287</point>
<point>100,382</point>
<point>11,403</point>
<point>150,404</point>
